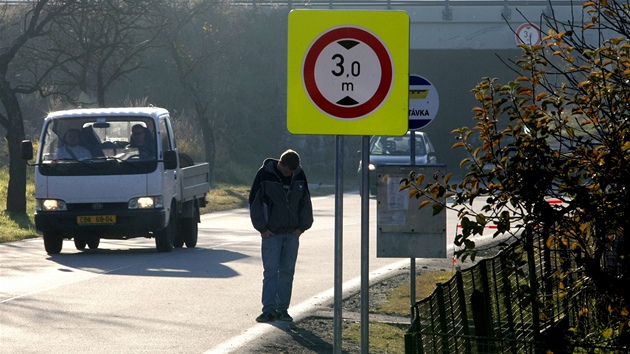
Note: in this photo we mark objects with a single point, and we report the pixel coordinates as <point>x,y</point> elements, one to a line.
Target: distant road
<point>125,297</point>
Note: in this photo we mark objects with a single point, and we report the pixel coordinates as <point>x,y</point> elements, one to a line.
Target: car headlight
<point>371,167</point>
<point>146,203</point>
<point>50,205</point>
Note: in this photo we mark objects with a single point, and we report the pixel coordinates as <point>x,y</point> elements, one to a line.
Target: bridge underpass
<point>454,44</point>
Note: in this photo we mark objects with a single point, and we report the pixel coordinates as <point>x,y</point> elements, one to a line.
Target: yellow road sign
<point>348,72</point>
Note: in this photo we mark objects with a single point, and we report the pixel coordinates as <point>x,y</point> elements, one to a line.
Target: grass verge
<point>400,299</point>
<point>15,227</point>
<point>388,337</point>
<point>384,337</point>
<point>224,197</point>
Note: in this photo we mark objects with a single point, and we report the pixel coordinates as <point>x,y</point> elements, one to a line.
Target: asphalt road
<point>127,298</point>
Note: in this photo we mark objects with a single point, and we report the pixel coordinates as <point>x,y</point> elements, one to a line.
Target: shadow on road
<point>184,262</point>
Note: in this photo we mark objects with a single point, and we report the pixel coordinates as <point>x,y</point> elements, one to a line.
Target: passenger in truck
<point>141,140</point>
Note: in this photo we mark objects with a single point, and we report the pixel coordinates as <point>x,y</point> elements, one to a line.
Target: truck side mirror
<point>27,150</point>
<point>170,160</point>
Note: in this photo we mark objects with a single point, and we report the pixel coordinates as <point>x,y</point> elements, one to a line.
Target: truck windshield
<point>92,140</point>
<point>398,145</point>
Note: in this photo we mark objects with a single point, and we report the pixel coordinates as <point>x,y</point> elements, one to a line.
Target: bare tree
<point>100,43</point>
<point>21,24</point>
<point>233,77</point>
<point>197,40</point>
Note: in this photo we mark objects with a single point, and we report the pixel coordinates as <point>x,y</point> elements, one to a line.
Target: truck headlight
<point>50,205</point>
<point>146,203</point>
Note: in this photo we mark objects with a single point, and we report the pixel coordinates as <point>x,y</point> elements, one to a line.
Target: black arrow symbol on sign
<point>348,44</point>
<point>347,101</point>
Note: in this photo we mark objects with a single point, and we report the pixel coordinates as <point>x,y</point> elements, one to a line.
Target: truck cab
<point>114,173</point>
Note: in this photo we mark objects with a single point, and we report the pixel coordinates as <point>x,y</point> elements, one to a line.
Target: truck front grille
<point>97,206</point>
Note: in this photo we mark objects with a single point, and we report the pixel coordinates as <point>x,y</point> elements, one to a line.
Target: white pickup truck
<point>96,177</point>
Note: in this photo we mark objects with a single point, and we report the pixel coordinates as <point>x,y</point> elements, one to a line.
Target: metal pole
<point>365,245</point>
<point>412,147</point>
<point>412,263</point>
<point>337,316</point>
<point>412,277</point>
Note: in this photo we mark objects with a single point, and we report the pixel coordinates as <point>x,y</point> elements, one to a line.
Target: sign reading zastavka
<point>348,72</point>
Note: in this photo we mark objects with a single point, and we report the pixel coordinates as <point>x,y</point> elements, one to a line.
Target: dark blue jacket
<point>272,208</point>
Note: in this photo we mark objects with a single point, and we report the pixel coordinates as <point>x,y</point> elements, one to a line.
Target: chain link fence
<point>511,303</point>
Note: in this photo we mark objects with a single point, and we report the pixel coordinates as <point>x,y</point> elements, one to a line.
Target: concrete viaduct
<point>454,44</point>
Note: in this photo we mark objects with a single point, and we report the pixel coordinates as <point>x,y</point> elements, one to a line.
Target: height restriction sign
<point>348,72</point>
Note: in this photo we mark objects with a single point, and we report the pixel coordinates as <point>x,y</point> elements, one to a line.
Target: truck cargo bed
<point>195,181</point>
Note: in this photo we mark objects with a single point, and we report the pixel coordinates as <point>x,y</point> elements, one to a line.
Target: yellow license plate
<point>96,219</point>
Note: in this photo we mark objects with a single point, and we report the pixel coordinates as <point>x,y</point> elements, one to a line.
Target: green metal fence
<point>510,303</point>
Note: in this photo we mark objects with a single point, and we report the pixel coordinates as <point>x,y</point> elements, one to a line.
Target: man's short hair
<point>290,159</point>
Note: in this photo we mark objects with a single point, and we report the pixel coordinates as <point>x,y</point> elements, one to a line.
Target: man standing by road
<point>281,210</point>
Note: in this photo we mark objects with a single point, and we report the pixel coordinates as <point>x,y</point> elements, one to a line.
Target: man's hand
<point>266,234</point>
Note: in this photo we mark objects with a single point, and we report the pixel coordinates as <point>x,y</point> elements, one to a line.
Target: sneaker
<point>284,317</point>
<point>266,317</point>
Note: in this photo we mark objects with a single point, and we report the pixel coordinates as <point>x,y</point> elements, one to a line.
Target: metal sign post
<point>365,245</point>
<point>338,283</point>
<point>347,74</point>
<point>424,103</point>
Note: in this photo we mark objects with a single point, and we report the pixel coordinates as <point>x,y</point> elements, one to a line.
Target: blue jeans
<point>279,254</point>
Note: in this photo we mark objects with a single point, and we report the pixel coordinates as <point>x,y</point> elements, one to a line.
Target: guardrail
<point>505,7</point>
<point>397,3</point>
<point>372,3</point>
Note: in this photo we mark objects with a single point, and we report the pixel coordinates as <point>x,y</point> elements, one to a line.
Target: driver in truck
<point>140,139</point>
<point>71,149</point>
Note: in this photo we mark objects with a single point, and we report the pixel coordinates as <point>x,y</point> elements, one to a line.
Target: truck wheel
<point>189,228</point>
<point>93,242</point>
<point>179,240</point>
<point>79,243</point>
<point>53,243</point>
<point>164,238</point>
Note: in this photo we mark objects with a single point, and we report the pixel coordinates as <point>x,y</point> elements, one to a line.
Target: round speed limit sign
<point>348,72</point>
